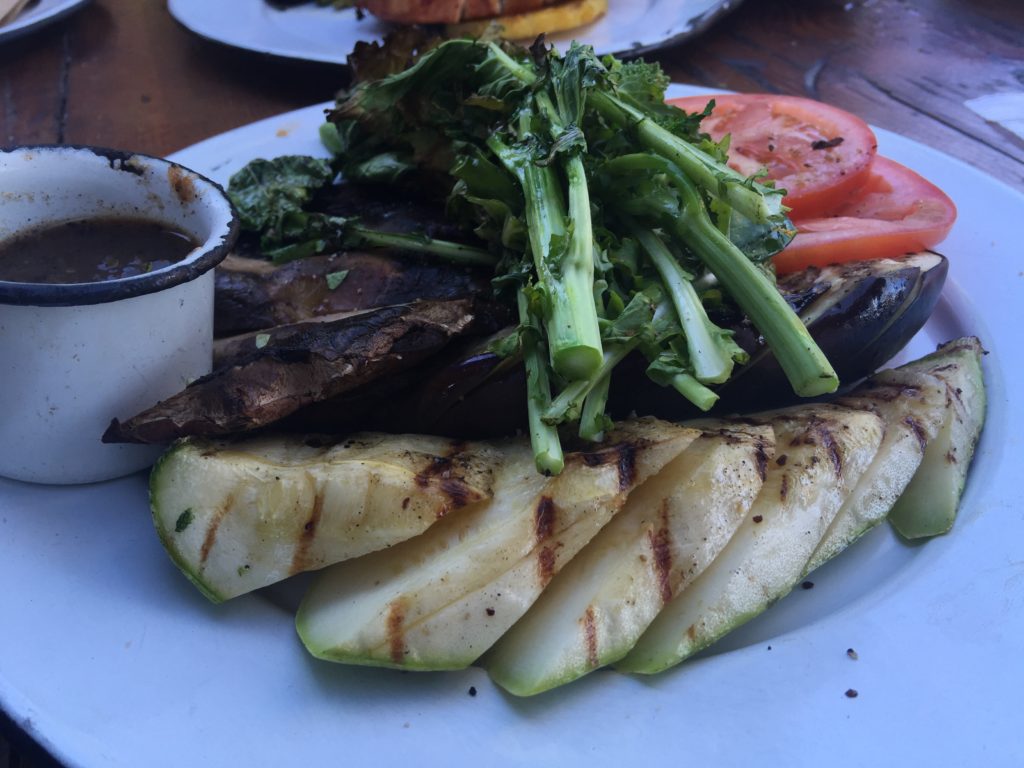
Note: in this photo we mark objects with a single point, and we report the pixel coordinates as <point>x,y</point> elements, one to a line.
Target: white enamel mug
<point>74,356</point>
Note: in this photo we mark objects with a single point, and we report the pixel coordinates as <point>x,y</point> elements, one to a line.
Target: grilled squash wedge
<point>239,515</point>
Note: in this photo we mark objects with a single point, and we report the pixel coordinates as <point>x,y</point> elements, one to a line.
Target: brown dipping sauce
<point>92,250</point>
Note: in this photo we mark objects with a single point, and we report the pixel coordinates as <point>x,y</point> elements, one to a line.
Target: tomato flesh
<point>896,212</point>
<point>819,154</point>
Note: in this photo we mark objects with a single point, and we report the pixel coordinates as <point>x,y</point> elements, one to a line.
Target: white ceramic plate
<point>316,33</point>
<point>109,657</point>
<point>38,15</point>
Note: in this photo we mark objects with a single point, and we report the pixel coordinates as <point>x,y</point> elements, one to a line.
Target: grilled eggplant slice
<point>860,314</point>
<point>671,528</point>
<point>298,365</point>
<point>237,516</point>
<point>440,600</point>
<point>253,294</point>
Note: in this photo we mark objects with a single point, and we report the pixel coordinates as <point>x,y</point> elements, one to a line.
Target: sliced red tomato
<point>894,213</point>
<point>819,154</point>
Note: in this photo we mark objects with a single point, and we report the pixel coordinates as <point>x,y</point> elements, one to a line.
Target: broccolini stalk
<point>593,420</point>
<point>804,363</point>
<point>711,349</point>
<point>457,253</point>
<point>577,264</point>
<point>573,336</point>
<point>568,406</point>
<point>753,200</point>
<point>694,391</point>
<point>547,448</point>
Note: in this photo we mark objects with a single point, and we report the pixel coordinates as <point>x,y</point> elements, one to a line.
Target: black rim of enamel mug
<point>80,294</point>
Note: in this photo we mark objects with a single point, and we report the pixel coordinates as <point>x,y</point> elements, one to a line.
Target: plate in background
<point>38,15</point>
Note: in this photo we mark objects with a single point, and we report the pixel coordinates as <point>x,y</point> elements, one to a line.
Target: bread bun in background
<point>518,19</point>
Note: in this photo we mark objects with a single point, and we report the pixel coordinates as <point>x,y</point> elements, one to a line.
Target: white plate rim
<point>960,598</point>
<point>46,12</point>
<point>326,36</point>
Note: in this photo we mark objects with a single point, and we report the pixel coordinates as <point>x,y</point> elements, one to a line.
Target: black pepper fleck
<point>472,690</point>
<point>851,693</point>
<point>490,611</point>
<point>827,143</point>
<point>852,654</point>
<point>807,585</point>
<point>757,518</point>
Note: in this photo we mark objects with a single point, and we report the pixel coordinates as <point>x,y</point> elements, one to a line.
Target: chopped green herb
<point>184,520</point>
<point>262,339</point>
<point>334,279</point>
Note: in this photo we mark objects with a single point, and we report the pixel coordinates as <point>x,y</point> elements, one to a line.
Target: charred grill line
<point>546,564</point>
<point>626,465</point>
<point>761,459</point>
<point>829,443</point>
<point>918,429</point>
<point>211,532</point>
<point>590,634</point>
<point>396,631</point>
<point>544,519</point>
<point>661,547</point>
<point>300,559</point>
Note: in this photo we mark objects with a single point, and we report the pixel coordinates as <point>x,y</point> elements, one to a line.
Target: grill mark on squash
<point>546,564</point>
<point>211,532</point>
<point>622,455</point>
<point>888,393</point>
<point>829,443</point>
<point>918,429</point>
<point>590,634</point>
<point>439,474</point>
<point>626,466</point>
<point>396,631</point>
<point>300,559</point>
<point>819,432</point>
<point>761,459</point>
<point>544,520</point>
<point>660,540</point>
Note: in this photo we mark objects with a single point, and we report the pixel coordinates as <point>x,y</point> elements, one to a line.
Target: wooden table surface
<point>123,73</point>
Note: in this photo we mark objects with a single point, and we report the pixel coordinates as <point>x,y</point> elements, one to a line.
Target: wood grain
<point>125,74</point>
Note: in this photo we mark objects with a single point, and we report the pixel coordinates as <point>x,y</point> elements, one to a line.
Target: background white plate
<point>316,33</point>
<point>39,15</point>
<point>110,657</point>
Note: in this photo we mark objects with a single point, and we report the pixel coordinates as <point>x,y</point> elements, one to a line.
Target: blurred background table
<point>123,73</point>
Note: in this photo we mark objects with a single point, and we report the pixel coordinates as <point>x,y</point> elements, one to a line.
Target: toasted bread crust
<point>448,11</point>
<point>526,25</point>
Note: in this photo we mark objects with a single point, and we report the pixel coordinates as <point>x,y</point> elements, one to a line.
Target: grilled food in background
<point>515,19</point>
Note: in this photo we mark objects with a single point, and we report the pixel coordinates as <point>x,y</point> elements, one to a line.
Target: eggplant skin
<point>253,294</point>
<point>869,312</point>
<point>861,314</point>
<point>302,364</point>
